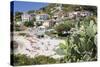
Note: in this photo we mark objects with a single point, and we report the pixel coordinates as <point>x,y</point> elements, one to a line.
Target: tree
<point>66,26</point>
<point>18,16</point>
<point>91,9</point>
<point>29,24</point>
<point>31,11</point>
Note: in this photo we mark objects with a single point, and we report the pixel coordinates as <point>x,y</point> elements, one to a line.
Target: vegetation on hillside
<point>20,59</point>
<point>29,24</point>
<point>80,36</point>
<point>64,27</point>
<point>18,16</point>
<point>81,45</point>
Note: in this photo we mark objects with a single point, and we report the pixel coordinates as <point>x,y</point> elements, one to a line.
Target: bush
<point>29,24</point>
<point>22,60</point>
<point>19,28</point>
<point>44,60</point>
<point>26,60</point>
<point>23,34</point>
<point>38,24</point>
<point>80,45</point>
<point>66,26</point>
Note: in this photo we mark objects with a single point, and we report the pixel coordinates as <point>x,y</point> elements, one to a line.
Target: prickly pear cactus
<point>80,44</point>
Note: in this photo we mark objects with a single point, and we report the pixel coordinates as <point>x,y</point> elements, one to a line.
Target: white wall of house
<point>40,30</point>
<point>79,13</point>
<point>41,17</point>
<point>26,17</point>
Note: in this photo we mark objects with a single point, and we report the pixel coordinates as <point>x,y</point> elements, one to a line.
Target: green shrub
<point>23,34</point>
<point>29,24</point>
<point>38,24</point>
<point>65,26</point>
<point>22,60</point>
<point>17,29</point>
<point>19,60</point>
<point>79,46</point>
<point>44,60</point>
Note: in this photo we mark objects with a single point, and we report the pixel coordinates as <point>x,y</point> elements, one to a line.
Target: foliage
<point>19,27</point>
<point>51,33</point>
<point>80,45</point>
<point>31,11</point>
<point>26,60</point>
<point>22,60</point>
<point>91,9</point>
<point>29,24</point>
<point>23,34</point>
<point>38,24</point>
<point>44,60</point>
<point>65,26</point>
<point>67,7</point>
<point>18,16</point>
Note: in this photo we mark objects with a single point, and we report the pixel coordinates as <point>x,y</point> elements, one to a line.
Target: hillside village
<point>52,30</point>
<point>58,15</point>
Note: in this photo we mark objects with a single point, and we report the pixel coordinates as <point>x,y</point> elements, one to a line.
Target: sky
<point>25,6</point>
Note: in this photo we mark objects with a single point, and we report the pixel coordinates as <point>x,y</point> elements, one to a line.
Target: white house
<point>40,31</point>
<point>27,17</point>
<point>78,14</point>
<point>40,18</point>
